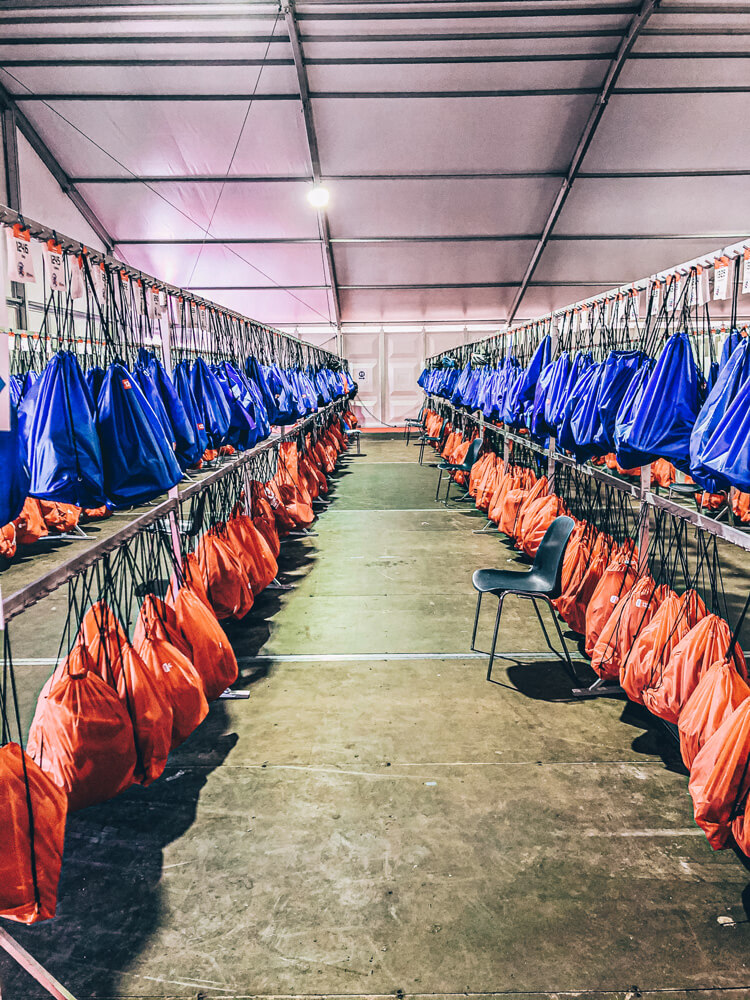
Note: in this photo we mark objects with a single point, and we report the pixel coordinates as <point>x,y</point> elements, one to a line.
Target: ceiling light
<point>318,196</point>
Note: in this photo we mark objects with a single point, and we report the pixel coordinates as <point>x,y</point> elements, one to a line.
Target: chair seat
<point>685,489</point>
<point>413,421</point>
<point>448,467</point>
<point>490,581</point>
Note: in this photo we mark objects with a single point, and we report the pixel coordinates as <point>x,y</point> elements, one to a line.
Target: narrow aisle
<point>377,818</point>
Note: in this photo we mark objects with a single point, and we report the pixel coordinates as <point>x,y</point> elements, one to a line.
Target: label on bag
<point>746,272</point>
<point>20,260</point>
<point>54,262</point>
<point>97,280</point>
<point>721,278</point>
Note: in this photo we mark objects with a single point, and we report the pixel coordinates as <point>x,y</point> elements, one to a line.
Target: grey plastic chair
<point>543,582</point>
<point>465,466</point>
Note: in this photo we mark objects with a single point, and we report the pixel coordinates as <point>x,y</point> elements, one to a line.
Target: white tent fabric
<point>444,131</point>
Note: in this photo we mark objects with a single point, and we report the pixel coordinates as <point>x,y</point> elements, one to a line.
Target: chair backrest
<point>548,562</point>
<point>471,454</point>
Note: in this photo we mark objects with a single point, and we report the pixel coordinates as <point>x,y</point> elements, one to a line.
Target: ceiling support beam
<point>312,146</point>
<point>7,103</point>
<point>636,25</point>
<point>12,175</point>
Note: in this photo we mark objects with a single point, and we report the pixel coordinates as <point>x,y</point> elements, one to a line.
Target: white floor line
<point>344,658</point>
<point>397,510</point>
<point>386,657</point>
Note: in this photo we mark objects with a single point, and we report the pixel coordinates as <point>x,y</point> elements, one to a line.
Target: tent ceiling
<point>444,132</point>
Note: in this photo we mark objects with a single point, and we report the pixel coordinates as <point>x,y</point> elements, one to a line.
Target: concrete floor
<point>377,819</point>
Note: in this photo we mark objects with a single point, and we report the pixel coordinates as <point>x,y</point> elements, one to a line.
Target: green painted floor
<point>378,820</point>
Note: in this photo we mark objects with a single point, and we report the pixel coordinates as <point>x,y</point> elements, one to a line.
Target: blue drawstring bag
<point>139,463</point>
<point>565,436</point>
<point>14,482</point>
<point>243,431</point>
<point>259,408</point>
<point>14,387</point>
<point>211,402</point>
<point>464,379</point>
<point>624,419</point>
<point>185,395</point>
<point>188,451</point>
<point>553,402</point>
<point>56,423</point>
<point>668,407</point>
<point>585,422</point>
<point>732,376</point>
<point>539,361</point>
<point>726,455</point>
<point>733,340</point>
<point>142,376</point>
<point>94,379</point>
<point>539,426</point>
<point>619,370</point>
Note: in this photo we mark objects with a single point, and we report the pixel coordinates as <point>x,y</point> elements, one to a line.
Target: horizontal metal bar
<point>444,176</point>
<point>473,238</point>
<point>337,95</point>
<point>595,473</point>
<point>438,36</point>
<point>406,286</point>
<point>256,288</point>
<point>138,98</point>
<point>442,60</point>
<point>717,528</point>
<point>519,10</point>
<point>353,14</point>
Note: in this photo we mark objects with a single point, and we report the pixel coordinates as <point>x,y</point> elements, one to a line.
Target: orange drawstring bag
<point>31,847</point>
<point>30,526</point>
<point>82,735</point>
<point>616,581</point>
<point>96,513</point>
<point>537,492</point>
<point>719,691</point>
<point>116,662</point>
<point>536,524</point>
<point>8,541</point>
<point>654,644</point>
<point>575,608</point>
<point>506,481</point>
<point>170,669</point>
<point>253,550</point>
<point>704,644</point>
<point>489,482</point>
<point>59,516</point>
<point>478,469</point>
<point>720,776</point>
<point>210,651</point>
<point>632,613</point>
<point>226,583</point>
<point>285,522</point>
<point>512,504</point>
<point>575,563</point>
<point>663,473</point>
<point>741,505</point>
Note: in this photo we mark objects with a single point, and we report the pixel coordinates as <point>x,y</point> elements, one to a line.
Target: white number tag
<point>721,278</point>
<point>54,263</point>
<point>20,260</point>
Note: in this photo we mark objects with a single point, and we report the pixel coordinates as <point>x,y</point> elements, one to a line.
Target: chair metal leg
<point>421,450</point>
<point>407,434</point>
<point>439,483</point>
<point>448,491</point>
<point>359,444</point>
<point>476,623</point>
<point>481,531</point>
<point>567,661</point>
<point>494,635</point>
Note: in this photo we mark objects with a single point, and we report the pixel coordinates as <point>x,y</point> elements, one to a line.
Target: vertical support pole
<point>174,493</point>
<point>13,195</point>
<point>551,461</point>
<point>383,375</point>
<point>506,450</point>
<point>645,528</point>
